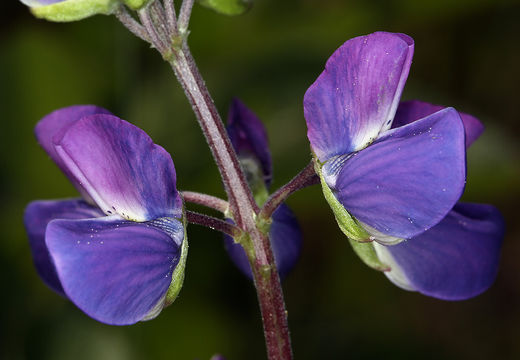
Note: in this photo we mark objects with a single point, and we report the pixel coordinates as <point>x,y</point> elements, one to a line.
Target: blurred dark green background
<point>467,55</point>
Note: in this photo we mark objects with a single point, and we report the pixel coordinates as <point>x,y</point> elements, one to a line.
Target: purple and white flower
<point>119,252</point>
<point>393,178</point>
<point>397,182</point>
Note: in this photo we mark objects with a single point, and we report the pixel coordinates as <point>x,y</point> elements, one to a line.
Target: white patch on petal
<point>31,3</point>
<point>332,168</point>
<point>128,208</point>
<point>368,137</point>
<point>380,237</point>
<point>396,275</point>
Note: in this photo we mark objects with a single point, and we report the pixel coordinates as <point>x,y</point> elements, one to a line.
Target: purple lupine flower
<point>249,139</point>
<point>396,182</point>
<point>400,178</point>
<point>457,258</point>
<point>119,252</point>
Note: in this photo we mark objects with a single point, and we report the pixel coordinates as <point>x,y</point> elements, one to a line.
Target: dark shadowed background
<point>467,55</point>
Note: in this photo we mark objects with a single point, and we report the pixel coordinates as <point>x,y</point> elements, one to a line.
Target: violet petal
<point>248,136</point>
<point>356,96</point>
<point>121,168</point>
<point>54,125</point>
<point>456,259</point>
<point>409,111</point>
<point>37,215</point>
<point>116,271</point>
<point>409,179</point>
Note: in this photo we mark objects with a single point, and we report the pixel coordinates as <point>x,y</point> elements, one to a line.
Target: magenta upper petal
<point>36,218</point>
<point>356,96</point>
<point>406,181</point>
<point>410,111</point>
<point>458,258</point>
<point>121,168</point>
<point>248,137</point>
<point>54,125</point>
<point>115,271</point>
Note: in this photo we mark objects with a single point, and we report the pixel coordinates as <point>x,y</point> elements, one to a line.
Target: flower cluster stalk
<point>213,223</point>
<point>168,36</point>
<point>244,209</point>
<point>306,177</point>
<point>206,200</point>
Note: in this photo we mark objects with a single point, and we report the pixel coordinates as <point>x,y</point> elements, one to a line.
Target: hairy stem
<point>306,177</point>
<point>185,14</point>
<point>206,200</point>
<point>213,223</point>
<point>272,308</point>
<point>243,208</point>
<point>131,24</point>
<point>241,200</point>
<point>169,9</point>
<point>153,35</point>
<point>267,281</point>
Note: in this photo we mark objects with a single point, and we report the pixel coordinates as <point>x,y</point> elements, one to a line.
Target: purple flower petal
<point>116,271</point>
<point>37,215</point>
<point>54,125</point>
<point>356,96</point>
<point>458,258</point>
<point>286,239</point>
<point>408,180</point>
<point>410,111</point>
<point>121,168</point>
<point>248,136</point>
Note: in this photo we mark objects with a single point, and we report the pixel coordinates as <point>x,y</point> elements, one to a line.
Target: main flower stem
<point>169,37</point>
<point>244,209</point>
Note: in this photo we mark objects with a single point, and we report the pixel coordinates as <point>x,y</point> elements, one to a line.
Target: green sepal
<point>367,253</point>
<point>178,273</point>
<point>255,178</point>
<point>137,4</point>
<point>228,7</point>
<point>359,239</point>
<point>348,224</point>
<point>72,10</point>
